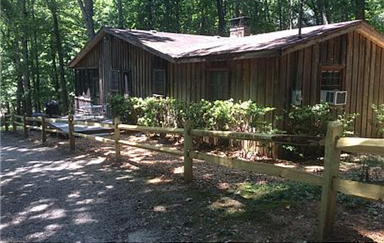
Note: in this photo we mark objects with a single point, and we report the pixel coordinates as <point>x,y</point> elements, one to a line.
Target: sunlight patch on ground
<point>83,218</point>
<point>285,165</point>
<point>124,177</point>
<point>49,231</point>
<point>130,167</point>
<point>86,201</point>
<point>228,205</point>
<point>75,194</point>
<point>159,209</point>
<point>39,208</point>
<point>99,160</point>
<point>223,186</point>
<point>158,180</point>
<point>178,170</point>
<point>313,168</point>
<point>51,214</point>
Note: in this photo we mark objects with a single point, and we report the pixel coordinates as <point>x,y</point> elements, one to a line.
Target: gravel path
<point>51,195</point>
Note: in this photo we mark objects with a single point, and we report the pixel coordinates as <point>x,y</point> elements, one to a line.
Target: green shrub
<point>162,112</point>
<point>227,115</point>
<point>199,113</point>
<point>250,117</point>
<point>128,109</point>
<point>313,120</point>
<point>378,121</point>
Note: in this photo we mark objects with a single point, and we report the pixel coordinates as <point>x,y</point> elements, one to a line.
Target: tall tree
<point>119,6</point>
<point>360,9</point>
<point>25,60</point>
<point>59,48</point>
<point>86,7</point>
<point>221,16</point>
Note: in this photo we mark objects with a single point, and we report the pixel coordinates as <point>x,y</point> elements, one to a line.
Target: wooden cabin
<point>340,63</point>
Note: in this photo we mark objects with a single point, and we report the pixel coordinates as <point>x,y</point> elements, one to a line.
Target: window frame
<point>162,70</point>
<point>334,68</point>
<point>210,93</point>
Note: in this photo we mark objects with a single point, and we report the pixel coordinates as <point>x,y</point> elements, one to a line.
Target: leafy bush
<point>378,121</point>
<point>251,117</point>
<point>162,112</point>
<point>225,115</point>
<point>128,109</point>
<point>199,113</point>
<point>313,120</point>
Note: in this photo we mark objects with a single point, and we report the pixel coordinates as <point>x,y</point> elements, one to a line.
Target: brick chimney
<point>240,27</point>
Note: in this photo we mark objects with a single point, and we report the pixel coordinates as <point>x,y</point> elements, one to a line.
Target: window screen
<point>331,78</point>
<point>218,85</point>
<point>158,85</point>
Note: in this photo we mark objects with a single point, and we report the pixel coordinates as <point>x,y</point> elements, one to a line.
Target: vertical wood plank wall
<point>363,63</point>
<point>268,81</point>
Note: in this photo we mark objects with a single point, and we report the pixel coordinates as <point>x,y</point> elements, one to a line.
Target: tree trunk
<point>36,69</point>
<point>59,49</point>
<point>120,12</point>
<point>55,75</point>
<point>25,62</point>
<point>360,9</point>
<point>87,11</point>
<point>221,17</point>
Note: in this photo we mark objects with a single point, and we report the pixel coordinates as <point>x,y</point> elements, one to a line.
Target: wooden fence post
<point>188,146</point>
<point>25,126</point>
<point>43,132</point>
<point>71,130</point>
<point>331,171</point>
<point>117,138</point>
<point>13,123</point>
<point>6,122</point>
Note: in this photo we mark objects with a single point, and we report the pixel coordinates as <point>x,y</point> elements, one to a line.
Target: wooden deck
<point>80,128</point>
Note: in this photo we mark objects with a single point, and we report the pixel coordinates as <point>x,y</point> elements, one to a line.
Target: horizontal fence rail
<point>330,181</point>
<point>361,145</point>
<point>274,170</point>
<point>151,129</point>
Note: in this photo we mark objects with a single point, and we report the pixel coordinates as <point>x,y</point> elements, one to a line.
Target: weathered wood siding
<point>91,60</point>
<point>365,62</point>
<point>363,70</point>
<point>268,81</point>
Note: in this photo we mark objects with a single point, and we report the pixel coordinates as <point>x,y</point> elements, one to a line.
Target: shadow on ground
<point>49,194</point>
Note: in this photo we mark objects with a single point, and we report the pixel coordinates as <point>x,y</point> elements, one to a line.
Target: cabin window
<point>158,84</point>
<point>127,84</point>
<point>115,82</point>
<point>331,78</point>
<point>218,85</point>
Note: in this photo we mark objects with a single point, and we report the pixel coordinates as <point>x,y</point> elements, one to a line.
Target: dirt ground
<point>51,194</point>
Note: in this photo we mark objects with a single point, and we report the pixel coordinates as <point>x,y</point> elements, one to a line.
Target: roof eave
<point>231,56</point>
<point>143,46</point>
<point>317,39</point>
<point>371,33</point>
<point>87,48</point>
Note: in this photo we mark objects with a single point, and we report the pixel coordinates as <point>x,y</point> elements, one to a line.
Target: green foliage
<point>313,120</point>
<point>272,192</point>
<point>162,112</point>
<point>128,109</point>
<point>378,121</point>
<point>223,115</point>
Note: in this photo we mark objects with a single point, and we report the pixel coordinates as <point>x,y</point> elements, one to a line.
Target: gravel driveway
<point>49,194</point>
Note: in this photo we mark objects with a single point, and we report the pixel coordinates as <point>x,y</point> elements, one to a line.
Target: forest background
<point>39,37</point>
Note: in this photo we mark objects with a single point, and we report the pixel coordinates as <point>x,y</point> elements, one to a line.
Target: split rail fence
<point>330,181</point>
